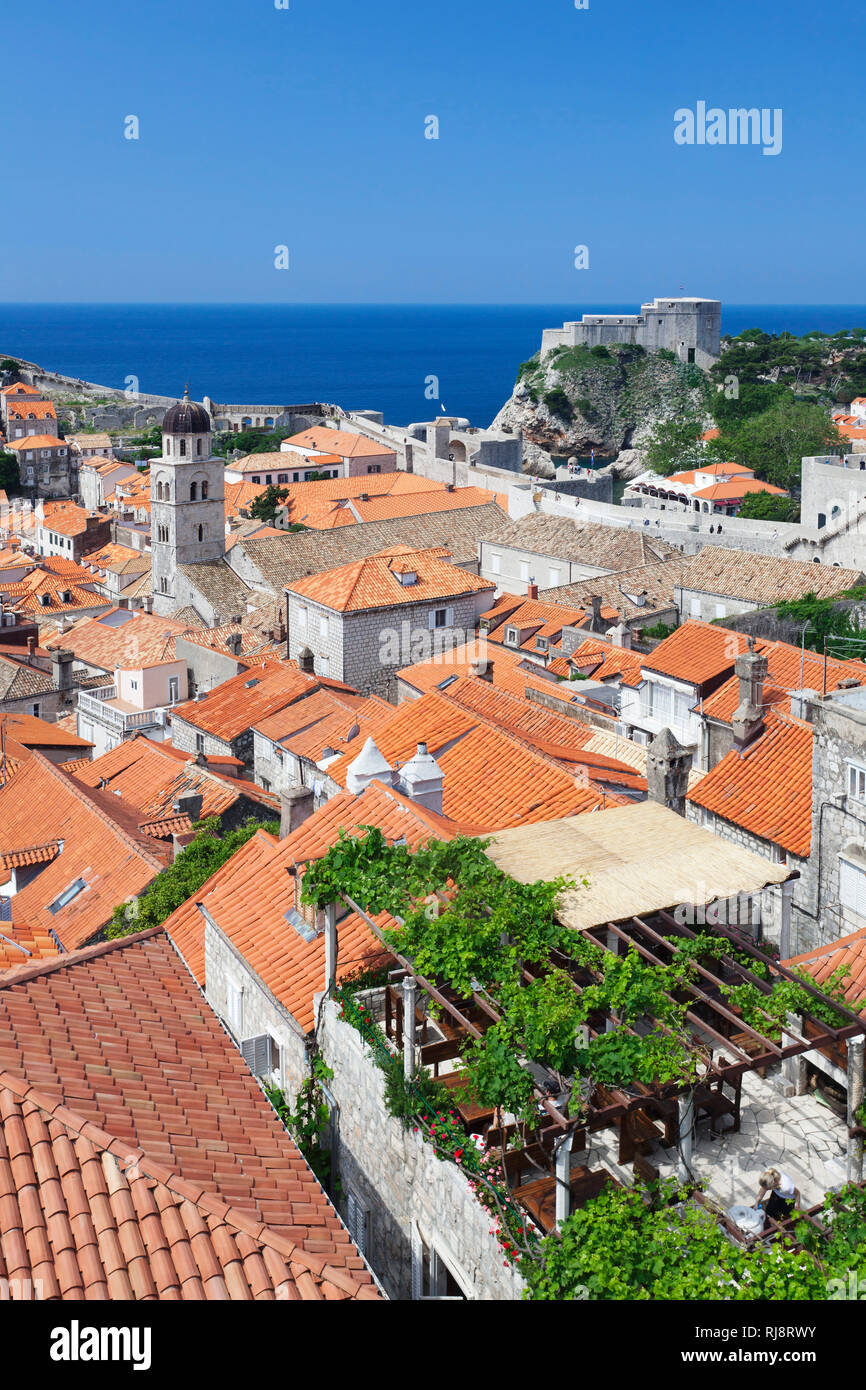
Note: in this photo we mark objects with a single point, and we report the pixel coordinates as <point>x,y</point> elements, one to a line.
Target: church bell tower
<point>187,495</point>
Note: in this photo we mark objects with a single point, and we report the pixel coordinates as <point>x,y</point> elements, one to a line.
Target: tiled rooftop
<point>343,443</point>
<point>767,787</point>
<point>790,668</point>
<point>251,696</point>
<point>761,579</point>
<point>138,1155</point>
<point>374,581</point>
<point>120,637</point>
<point>696,653</point>
<point>848,951</point>
<point>589,543</point>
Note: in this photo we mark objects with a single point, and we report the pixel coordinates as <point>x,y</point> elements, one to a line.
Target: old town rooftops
<point>251,696</point>
<point>766,788</point>
<point>340,442</point>
<point>147,1162</point>
<point>392,578</point>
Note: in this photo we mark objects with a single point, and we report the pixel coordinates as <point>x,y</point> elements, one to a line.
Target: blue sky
<point>305,127</point>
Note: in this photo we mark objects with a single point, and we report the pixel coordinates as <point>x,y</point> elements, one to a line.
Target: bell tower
<point>187,497</point>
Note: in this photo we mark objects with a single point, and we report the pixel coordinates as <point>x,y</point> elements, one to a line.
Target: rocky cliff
<point>606,399</point>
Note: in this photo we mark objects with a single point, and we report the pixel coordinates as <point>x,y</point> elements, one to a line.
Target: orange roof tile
<point>37,441</point>
<point>373,582</point>
<point>21,945</point>
<point>138,1156</point>
<point>340,442</point>
<point>19,388</point>
<point>120,637</point>
<point>823,961</point>
<point>733,491</point>
<point>101,846</point>
<point>323,721</point>
<point>244,700</point>
<point>32,732</point>
<point>696,653</point>
<point>789,669</point>
<point>33,410</point>
<point>766,788</point>
<point>492,779</point>
<point>249,897</point>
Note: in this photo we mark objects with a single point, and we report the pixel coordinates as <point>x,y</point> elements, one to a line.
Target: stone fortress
<point>691,328</point>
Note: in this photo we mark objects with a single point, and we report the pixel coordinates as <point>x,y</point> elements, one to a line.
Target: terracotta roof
<point>120,559</point>
<point>373,582</point>
<point>218,584</point>
<point>492,779</point>
<point>65,568</point>
<point>766,788</point>
<point>120,637</point>
<point>38,410</point>
<point>620,592</point>
<point>251,696</point>
<point>283,460</point>
<point>36,854</point>
<point>761,579</point>
<point>149,777</point>
<point>249,897</point>
<point>539,617</point>
<point>790,669</point>
<point>68,519</point>
<point>97,440</point>
<point>407,504</point>
<point>37,441</point>
<point>323,720</point>
<point>40,594</point>
<point>31,732</point>
<point>848,951</point>
<point>20,682</point>
<point>696,653</point>
<point>101,846</point>
<point>138,1156</point>
<point>733,491</point>
<point>21,945</point>
<point>340,442</point>
<point>19,388</point>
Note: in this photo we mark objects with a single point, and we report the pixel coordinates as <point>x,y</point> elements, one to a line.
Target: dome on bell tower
<point>187,417</point>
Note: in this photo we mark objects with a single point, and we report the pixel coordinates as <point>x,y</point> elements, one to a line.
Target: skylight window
<point>64,898</point>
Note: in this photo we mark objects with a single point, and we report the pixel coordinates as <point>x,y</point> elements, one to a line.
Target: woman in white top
<point>783,1194</point>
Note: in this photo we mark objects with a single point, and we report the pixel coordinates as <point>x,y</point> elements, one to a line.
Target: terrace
<point>652,1037</point>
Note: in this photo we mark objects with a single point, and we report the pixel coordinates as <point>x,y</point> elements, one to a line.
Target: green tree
<point>763,506</point>
<point>676,444</point>
<point>773,443</point>
<point>10,481</point>
<point>193,867</point>
<point>265,506</point>
<point>9,367</point>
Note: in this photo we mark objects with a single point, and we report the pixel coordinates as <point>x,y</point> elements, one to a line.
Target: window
<point>199,743</point>
<point>34,710</point>
<point>183,448</point>
<point>857,782</point>
<point>440,617</point>
<point>302,618</point>
<point>266,784</point>
<point>324,625</point>
<point>269,477</point>
<point>524,571</point>
<point>720,610</point>
<point>173,689</point>
<point>133,685</point>
<point>431,1277</point>
<point>512,636</point>
<point>695,607</point>
<point>204,492</point>
<point>198,446</point>
<point>282,477</point>
<point>234,1005</point>
<point>852,887</point>
<point>358,1221</point>
<point>553,578</point>
<point>496,564</point>
<point>67,895</point>
<point>324,666</point>
<point>373,468</point>
<point>201,533</point>
<point>193,491</point>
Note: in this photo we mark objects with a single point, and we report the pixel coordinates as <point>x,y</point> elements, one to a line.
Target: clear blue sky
<point>305,127</point>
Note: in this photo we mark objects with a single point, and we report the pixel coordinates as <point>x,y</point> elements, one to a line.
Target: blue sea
<point>409,361</point>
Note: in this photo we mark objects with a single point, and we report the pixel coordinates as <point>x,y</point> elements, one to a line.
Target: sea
<point>410,361</point>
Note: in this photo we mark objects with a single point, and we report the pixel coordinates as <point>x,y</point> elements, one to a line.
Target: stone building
<point>45,464</point>
<point>364,621</point>
<point>549,551</point>
<point>187,493</point>
<point>691,328</point>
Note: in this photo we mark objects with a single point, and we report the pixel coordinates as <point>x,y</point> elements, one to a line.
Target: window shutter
<point>431,618</point>
<point>449,617</point>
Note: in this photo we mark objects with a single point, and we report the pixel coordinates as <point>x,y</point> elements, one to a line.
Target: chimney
<point>61,668</point>
<point>751,672</point>
<point>422,780</point>
<point>596,621</point>
<point>667,772</point>
<point>482,669</point>
<point>306,661</point>
<point>369,766</point>
<point>31,645</point>
<point>296,804</point>
<point>199,760</point>
<point>233,642</point>
<point>620,636</point>
<point>801,703</point>
<point>188,804</point>
<point>532,591</point>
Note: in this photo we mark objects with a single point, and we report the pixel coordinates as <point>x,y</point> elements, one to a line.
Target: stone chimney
<point>306,661</point>
<point>31,646</point>
<point>61,668</point>
<point>188,804</point>
<point>233,642</point>
<point>482,669</point>
<point>619,636</point>
<point>802,704</point>
<point>296,804</point>
<point>369,766</point>
<point>667,772</point>
<point>422,780</point>
<point>532,591</point>
<point>596,622</point>
<point>751,672</point>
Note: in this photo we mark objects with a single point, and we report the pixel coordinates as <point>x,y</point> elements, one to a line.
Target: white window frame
<point>524,571</point>
<point>302,617</point>
<point>495,564</point>
<point>234,1005</point>
<point>856,781</point>
<point>554,578</point>
<point>852,890</point>
<point>324,666</point>
<point>324,625</point>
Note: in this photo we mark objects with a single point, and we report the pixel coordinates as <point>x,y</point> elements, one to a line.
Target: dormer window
<point>512,637</point>
<point>541,644</point>
<point>408,577</point>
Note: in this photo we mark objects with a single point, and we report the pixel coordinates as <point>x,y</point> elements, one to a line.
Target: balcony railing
<point>96,704</point>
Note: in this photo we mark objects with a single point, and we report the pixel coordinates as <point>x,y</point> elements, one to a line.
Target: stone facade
<point>187,490</point>
<point>836,874</point>
<point>189,739</point>
<point>691,328</point>
<point>366,648</point>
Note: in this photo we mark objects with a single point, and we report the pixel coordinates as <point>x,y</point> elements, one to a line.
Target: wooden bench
<point>539,1198</point>
<point>434,1053</point>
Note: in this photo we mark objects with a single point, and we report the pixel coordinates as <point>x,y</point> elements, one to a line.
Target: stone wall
<point>185,737</point>
<point>408,1190</point>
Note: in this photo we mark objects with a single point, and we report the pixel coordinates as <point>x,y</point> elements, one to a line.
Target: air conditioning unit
<point>261,1054</point>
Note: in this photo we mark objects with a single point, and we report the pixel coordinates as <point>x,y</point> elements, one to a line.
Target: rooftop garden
<point>552,1036</point>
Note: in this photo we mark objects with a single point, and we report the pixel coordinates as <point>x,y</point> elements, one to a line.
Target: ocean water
<point>409,361</point>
